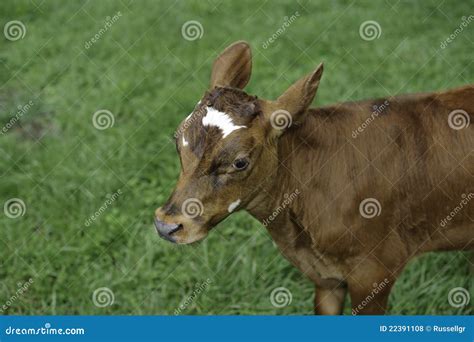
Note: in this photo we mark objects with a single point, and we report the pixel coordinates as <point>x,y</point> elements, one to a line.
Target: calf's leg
<point>370,296</point>
<point>329,301</point>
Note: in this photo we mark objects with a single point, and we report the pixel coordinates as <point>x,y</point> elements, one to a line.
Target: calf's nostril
<point>166,229</point>
<point>177,228</point>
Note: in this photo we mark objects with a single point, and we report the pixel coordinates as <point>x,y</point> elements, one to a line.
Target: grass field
<point>149,77</point>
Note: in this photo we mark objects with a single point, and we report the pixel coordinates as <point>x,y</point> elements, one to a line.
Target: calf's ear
<point>232,68</point>
<point>298,97</point>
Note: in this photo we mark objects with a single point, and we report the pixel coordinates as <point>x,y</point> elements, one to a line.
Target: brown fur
<point>407,158</point>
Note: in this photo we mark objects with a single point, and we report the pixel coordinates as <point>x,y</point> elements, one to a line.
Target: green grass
<point>149,77</point>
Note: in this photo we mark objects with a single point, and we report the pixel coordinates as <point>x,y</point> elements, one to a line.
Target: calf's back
<point>401,153</point>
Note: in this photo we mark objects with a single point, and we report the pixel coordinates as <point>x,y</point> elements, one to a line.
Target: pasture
<point>90,187</point>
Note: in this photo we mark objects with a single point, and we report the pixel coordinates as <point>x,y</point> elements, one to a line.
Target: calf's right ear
<point>232,68</point>
<point>298,97</point>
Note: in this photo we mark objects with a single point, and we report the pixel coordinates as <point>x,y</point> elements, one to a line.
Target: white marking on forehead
<point>220,120</point>
<point>185,143</point>
<point>233,205</point>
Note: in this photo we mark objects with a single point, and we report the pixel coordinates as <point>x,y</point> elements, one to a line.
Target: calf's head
<point>228,147</point>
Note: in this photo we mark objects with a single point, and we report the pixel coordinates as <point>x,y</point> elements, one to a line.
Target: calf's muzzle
<point>166,230</point>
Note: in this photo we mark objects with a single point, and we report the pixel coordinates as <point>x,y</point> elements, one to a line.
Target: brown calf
<point>350,192</point>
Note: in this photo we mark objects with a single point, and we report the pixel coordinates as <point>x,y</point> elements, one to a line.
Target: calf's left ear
<point>232,68</point>
<point>297,98</point>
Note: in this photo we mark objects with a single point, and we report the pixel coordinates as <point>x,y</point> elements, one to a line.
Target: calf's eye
<point>240,164</point>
